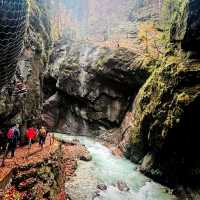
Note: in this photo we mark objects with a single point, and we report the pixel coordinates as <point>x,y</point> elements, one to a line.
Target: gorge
<point>130,80</point>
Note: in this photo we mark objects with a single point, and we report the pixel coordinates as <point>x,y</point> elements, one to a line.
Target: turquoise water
<point>108,169</point>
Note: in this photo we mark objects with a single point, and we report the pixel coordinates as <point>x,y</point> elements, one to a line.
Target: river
<point>108,170</point>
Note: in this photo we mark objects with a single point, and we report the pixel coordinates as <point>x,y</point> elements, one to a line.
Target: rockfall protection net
<point>13,20</point>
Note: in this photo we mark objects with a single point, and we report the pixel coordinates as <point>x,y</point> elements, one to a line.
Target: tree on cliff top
<point>150,40</point>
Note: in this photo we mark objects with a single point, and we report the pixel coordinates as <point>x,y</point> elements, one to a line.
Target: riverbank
<point>43,174</point>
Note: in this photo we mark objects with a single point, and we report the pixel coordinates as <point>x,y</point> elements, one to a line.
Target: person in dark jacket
<point>1,141</point>
<point>13,136</point>
<point>42,136</point>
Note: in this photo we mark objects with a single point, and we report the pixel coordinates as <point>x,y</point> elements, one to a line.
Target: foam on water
<point>108,169</point>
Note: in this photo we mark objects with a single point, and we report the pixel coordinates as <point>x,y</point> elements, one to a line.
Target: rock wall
<point>93,87</point>
<point>166,122</point>
<point>186,26</point>
<point>145,10</point>
<point>86,90</point>
<point>21,100</point>
<point>165,126</point>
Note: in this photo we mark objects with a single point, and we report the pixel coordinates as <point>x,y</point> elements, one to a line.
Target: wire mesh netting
<point>13,20</point>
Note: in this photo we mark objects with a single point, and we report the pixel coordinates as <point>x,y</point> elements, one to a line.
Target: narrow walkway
<point>35,155</point>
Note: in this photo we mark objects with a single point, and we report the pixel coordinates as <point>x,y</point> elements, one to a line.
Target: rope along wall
<point>13,19</point>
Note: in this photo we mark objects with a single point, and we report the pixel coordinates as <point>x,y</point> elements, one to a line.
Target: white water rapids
<point>108,169</point>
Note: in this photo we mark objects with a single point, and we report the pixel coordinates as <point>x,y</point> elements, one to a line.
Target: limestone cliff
<point>21,100</point>
<point>84,89</point>
<point>186,26</point>
<point>92,87</point>
<point>165,126</point>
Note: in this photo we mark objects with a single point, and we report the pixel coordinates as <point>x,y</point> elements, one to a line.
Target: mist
<point>100,21</point>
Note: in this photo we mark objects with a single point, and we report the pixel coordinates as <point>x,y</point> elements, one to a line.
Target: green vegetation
<point>168,12</point>
<point>166,107</point>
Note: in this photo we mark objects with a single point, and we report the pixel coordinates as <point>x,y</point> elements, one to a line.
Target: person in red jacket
<point>31,134</point>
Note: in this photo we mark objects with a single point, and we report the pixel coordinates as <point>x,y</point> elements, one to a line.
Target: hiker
<point>3,145</point>
<point>13,136</point>
<point>31,134</point>
<point>1,141</point>
<point>42,136</point>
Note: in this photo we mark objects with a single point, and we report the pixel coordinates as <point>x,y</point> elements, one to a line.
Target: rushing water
<point>108,169</point>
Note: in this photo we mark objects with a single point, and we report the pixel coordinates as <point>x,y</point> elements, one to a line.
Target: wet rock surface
<point>90,84</point>
<point>102,187</point>
<point>120,186</point>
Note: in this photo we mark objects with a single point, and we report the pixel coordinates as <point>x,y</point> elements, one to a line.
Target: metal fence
<point>13,20</point>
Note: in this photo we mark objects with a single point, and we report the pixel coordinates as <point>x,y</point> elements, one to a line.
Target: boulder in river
<point>122,186</point>
<point>102,187</point>
<point>86,157</point>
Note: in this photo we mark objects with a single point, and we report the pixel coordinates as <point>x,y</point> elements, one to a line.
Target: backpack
<point>43,132</point>
<point>31,133</point>
<point>10,133</point>
<point>1,134</point>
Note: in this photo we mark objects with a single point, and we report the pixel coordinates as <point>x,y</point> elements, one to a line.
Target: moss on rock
<point>165,118</point>
<point>185,26</point>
